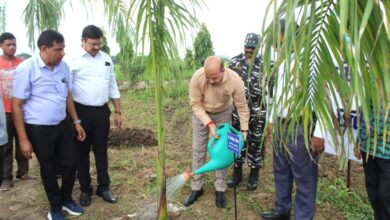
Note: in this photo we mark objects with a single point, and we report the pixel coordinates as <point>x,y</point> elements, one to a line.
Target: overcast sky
<point>228,22</point>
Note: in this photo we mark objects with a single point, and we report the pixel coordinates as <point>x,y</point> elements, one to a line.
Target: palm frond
<point>326,67</point>
<point>40,15</point>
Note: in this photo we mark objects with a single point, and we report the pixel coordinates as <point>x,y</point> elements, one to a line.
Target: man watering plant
<point>212,91</point>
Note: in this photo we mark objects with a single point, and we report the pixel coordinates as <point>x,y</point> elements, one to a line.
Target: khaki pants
<point>200,135</point>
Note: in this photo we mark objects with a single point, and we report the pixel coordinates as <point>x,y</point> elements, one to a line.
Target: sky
<point>228,22</point>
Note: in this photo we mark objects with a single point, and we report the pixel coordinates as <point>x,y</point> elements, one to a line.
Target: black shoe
<point>253,178</point>
<point>107,196</point>
<point>193,197</point>
<point>274,215</point>
<point>220,199</point>
<point>237,177</point>
<point>85,199</point>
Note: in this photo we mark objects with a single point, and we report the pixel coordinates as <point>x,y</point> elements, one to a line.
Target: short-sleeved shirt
<point>93,79</point>
<point>367,140</point>
<point>7,70</point>
<point>43,90</point>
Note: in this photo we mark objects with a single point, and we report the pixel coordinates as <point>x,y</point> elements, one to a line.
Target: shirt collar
<point>225,75</point>
<point>84,53</point>
<point>242,57</point>
<point>40,61</point>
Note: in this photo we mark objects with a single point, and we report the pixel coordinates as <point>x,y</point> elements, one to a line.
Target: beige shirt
<point>205,97</point>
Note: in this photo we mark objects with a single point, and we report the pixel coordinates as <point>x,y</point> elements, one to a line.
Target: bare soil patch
<point>131,137</point>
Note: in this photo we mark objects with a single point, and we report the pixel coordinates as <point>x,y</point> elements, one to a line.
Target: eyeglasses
<point>94,44</point>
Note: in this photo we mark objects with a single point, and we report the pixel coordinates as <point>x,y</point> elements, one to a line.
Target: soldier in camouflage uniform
<point>252,148</point>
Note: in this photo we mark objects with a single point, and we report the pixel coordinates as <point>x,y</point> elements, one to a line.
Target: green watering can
<point>220,156</point>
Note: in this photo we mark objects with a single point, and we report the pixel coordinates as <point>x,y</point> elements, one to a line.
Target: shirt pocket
<point>107,72</point>
<point>62,89</point>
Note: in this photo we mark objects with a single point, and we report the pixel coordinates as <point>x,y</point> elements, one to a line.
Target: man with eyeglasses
<point>94,84</point>
<point>212,91</point>
<point>252,78</point>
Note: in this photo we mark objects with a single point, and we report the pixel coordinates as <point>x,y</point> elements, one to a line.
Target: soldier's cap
<point>251,40</point>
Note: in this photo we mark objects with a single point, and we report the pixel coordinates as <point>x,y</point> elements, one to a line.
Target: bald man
<point>213,89</point>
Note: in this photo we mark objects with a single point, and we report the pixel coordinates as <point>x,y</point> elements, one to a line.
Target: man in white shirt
<point>94,85</point>
<point>292,162</point>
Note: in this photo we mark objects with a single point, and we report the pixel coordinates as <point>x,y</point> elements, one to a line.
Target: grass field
<point>132,172</point>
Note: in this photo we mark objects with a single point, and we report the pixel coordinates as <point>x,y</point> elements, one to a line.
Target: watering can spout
<point>211,166</point>
<point>220,156</point>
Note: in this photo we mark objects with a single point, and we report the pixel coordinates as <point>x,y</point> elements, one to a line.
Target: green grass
<point>353,204</point>
<point>118,73</point>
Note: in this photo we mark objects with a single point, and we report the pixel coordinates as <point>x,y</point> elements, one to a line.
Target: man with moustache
<point>252,78</point>
<point>212,91</point>
<point>94,85</point>
<point>41,97</point>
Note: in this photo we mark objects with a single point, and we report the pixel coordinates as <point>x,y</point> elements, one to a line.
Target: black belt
<point>91,106</point>
<point>44,126</point>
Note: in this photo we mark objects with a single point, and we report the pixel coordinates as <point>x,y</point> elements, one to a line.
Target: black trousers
<point>377,178</point>
<point>2,149</point>
<point>9,152</point>
<point>50,144</point>
<point>96,123</point>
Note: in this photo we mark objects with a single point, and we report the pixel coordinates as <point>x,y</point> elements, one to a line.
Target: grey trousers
<point>200,135</point>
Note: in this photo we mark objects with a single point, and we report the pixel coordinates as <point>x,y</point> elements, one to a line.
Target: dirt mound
<point>131,137</point>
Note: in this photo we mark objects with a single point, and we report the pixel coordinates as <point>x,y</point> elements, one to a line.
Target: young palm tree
<point>318,45</point>
<point>158,25</point>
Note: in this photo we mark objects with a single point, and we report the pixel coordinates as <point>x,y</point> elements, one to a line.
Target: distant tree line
<point>133,65</point>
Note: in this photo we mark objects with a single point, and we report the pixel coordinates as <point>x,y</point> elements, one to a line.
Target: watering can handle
<point>220,128</point>
<point>212,141</point>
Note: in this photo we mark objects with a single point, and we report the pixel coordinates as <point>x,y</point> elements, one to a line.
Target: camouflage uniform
<point>257,109</point>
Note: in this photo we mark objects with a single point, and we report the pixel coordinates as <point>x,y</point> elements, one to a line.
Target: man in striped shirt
<point>375,152</point>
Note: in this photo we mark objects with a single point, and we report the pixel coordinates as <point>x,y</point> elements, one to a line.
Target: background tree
<point>104,47</point>
<point>189,61</point>
<point>203,46</point>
